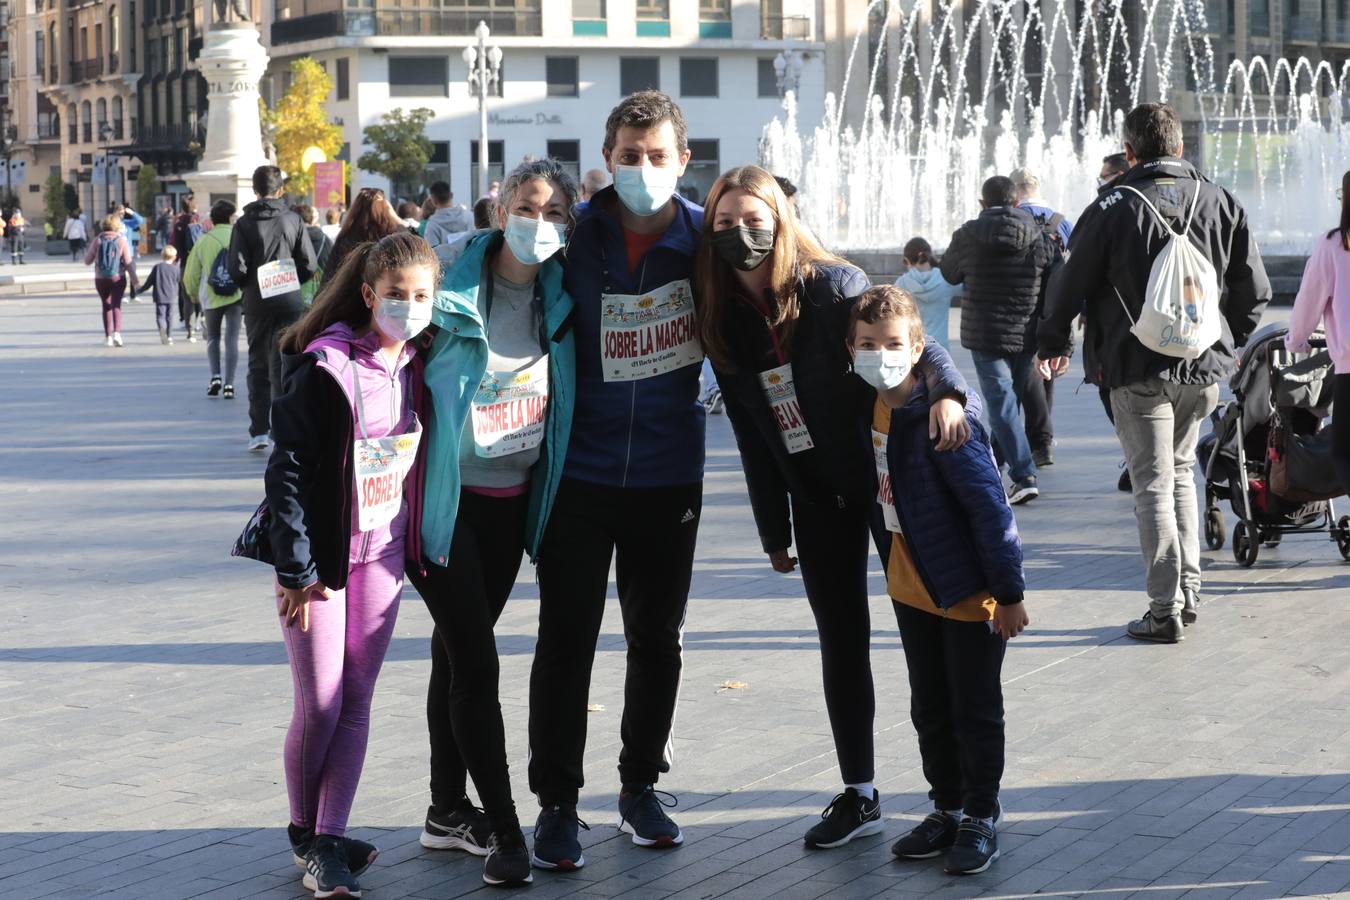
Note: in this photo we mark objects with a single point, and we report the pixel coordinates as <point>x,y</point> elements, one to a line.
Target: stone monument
<point>232,62</point>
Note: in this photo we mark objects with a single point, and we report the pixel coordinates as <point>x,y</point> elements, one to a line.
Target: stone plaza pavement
<point>145,690</point>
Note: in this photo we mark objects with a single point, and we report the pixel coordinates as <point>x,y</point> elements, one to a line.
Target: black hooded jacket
<point>1113,248</point>
<point>266,232</point>
<point>1004,258</point>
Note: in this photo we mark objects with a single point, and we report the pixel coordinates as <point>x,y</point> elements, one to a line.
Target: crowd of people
<point>445,392</point>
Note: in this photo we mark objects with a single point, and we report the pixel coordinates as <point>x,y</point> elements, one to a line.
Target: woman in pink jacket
<point>1324,296</point>
<point>110,255</point>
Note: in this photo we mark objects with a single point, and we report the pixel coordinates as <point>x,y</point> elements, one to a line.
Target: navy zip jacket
<point>829,395</point>
<point>647,432</point>
<point>952,507</point>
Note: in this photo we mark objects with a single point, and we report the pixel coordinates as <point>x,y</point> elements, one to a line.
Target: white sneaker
<point>117,339</point>
<point>164,337</point>
<point>258,443</point>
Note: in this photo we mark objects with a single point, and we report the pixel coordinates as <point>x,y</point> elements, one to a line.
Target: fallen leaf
<point>732,686</point>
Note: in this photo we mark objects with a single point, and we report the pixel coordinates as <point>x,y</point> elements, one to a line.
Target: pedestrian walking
<point>75,234</point>
<point>187,230</point>
<point>1324,298</point>
<point>163,226</point>
<point>207,277</point>
<point>924,282</point>
<point>17,231</point>
<point>500,373</point>
<point>370,218</point>
<point>1164,343</point>
<point>270,257</point>
<point>1004,259</point>
<point>110,255</point>
<point>347,435</point>
<point>323,251</point>
<point>953,565</point>
<point>164,288</point>
<point>772,321</point>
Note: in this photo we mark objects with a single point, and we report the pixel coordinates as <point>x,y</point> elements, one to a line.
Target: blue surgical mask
<point>402,320</point>
<point>533,240</point>
<point>882,369</point>
<point>645,190</point>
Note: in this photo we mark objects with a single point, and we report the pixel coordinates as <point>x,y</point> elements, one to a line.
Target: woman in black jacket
<point>774,321</point>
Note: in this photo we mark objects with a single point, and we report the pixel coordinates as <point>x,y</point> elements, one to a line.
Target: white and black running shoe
<point>326,870</point>
<point>508,859</point>
<point>360,855</point>
<point>1023,489</point>
<point>463,828</point>
<point>641,815</point>
<point>850,815</point>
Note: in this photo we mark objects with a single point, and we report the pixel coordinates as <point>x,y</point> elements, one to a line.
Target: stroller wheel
<point>1214,528</point>
<point>1246,545</point>
<point>1343,537</point>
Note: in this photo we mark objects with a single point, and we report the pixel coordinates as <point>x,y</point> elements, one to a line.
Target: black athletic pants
<point>263,330</point>
<point>956,705</point>
<point>651,533</point>
<point>1340,431</point>
<point>832,549</point>
<point>1038,401</point>
<point>465,597</point>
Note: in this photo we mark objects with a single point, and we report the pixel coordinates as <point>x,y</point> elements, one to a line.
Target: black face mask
<point>742,247</point>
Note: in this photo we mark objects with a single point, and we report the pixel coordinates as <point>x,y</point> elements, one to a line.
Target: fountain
<point>990,85</point>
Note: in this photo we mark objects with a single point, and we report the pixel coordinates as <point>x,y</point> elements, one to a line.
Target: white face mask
<point>882,369</point>
<point>533,240</point>
<point>402,320</point>
<point>645,190</point>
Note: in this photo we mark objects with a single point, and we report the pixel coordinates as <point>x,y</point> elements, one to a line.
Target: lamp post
<point>104,136</point>
<point>485,65</point>
<point>787,69</point>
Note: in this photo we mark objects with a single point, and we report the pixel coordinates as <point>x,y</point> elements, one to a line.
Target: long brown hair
<point>340,297</point>
<point>795,253</point>
<point>1344,228</point>
<point>369,219</point>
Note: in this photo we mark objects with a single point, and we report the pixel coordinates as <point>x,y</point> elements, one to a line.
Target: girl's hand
<point>1009,620</point>
<point>295,603</point>
<point>781,562</point>
<point>947,420</point>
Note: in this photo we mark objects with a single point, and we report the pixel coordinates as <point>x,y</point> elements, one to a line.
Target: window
<point>102,116</point>
<point>698,76</point>
<point>419,76</point>
<point>437,169</point>
<point>561,75</point>
<point>72,119</point>
<point>768,78</point>
<point>117,113</point>
<point>84,43</point>
<point>588,9</point>
<point>54,75</point>
<point>653,18</point>
<point>114,39</point>
<point>344,78</point>
<point>40,55</point>
<point>714,18</point>
<point>701,172</point>
<point>496,171</point>
<point>98,39</point>
<point>639,73</point>
<point>569,154</point>
<point>87,122</point>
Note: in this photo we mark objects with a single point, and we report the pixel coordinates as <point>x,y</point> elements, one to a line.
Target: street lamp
<point>485,65</point>
<point>787,69</point>
<point>104,136</point>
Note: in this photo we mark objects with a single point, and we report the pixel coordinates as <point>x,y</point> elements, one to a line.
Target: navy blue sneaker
<point>642,816</point>
<point>556,845</point>
<point>359,854</point>
<point>326,871</point>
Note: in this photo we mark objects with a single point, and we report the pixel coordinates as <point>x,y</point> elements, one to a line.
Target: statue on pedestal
<point>230,12</point>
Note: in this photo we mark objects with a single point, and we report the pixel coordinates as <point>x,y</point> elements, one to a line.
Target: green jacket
<point>198,268</point>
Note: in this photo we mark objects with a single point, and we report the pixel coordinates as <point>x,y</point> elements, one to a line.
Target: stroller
<point>1267,453</point>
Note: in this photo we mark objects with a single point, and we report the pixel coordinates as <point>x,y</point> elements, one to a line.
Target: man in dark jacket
<point>1004,258</point>
<point>1158,401</point>
<point>270,257</point>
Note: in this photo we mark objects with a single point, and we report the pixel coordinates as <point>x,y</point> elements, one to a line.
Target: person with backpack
<point>75,234</point>
<point>271,256</point>
<point>187,230</point>
<point>110,255</point>
<point>164,288</point>
<point>1173,284</point>
<point>207,277</point>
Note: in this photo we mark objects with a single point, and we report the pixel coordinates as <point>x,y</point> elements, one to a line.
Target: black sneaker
<point>1022,490</point>
<point>930,838</point>
<point>326,870</point>
<point>1043,457</point>
<point>975,848</point>
<point>849,816</point>
<point>556,845</point>
<point>213,388</point>
<point>1124,485</point>
<point>463,828</point>
<point>1160,631</point>
<point>642,816</point>
<point>508,859</point>
<point>360,855</point>
<point>1190,609</point>
<point>228,392</point>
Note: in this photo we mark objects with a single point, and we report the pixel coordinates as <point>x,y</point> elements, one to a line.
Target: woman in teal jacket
<point>500,372</point>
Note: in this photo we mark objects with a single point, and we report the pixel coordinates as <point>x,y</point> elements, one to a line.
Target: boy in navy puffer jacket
<point>955,617</point>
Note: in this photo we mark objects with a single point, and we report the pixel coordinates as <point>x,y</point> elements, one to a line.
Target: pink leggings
<point>110,291</point>
<point>334,666</point>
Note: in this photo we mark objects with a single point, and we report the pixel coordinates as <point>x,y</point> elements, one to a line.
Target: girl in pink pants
<point>346,440</point>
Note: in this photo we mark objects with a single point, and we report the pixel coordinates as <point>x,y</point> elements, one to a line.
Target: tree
<point>54,202</point>
<point>400,148</point>
<point>300,121</point>
<point>147,185</point>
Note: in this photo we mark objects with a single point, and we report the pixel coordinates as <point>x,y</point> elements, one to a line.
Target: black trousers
<point>1340,431</point>
<point>832,550</point>
<point>263,330</point>
<point>465,598</point>
<point>956,705</point>
<point>651,533</point>
<point>1038,402</point>
<point>1105,393</point>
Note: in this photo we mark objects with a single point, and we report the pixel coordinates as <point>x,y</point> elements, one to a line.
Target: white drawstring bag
<point>1180,316</point>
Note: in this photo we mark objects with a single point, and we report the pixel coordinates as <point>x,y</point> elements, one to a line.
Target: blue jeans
<point>1003,380</point>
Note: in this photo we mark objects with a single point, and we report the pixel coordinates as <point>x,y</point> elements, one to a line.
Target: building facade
<point>565,64</point>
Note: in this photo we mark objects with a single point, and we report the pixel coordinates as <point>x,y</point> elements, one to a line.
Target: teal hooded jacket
<point>455,365</point>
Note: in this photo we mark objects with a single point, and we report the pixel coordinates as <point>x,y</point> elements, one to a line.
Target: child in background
<point>954,573</point>
<point>164,280</point>
<point>931,292</point>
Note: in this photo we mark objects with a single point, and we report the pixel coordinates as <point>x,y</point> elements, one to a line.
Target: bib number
<point>884,494</point>
<point>278,277</point>
<point>509,410</point>
<point>781,391</point>
<point>645,335</point>
<point>381,465</point>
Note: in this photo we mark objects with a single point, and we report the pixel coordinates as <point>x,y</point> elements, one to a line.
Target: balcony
<point>49,127</point>
<point>405,23</point>
<point>86,69</point>
<point>779,28</point>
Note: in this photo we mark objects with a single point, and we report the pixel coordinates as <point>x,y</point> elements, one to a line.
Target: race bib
<point>278,277</point>
<point>781,392</point>
<point>884,495</point>
<point>642,335</point>
<point>381,466</point>
<point>508,411</point>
